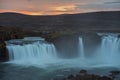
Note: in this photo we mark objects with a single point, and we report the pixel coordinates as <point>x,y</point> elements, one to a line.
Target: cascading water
<point>41,54</point>
<point>81,48</point>
<point>109,51</point>
<point>36,51</point>
<point>30,51</point>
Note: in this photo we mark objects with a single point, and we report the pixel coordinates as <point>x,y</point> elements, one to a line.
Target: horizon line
<point>56,14</point>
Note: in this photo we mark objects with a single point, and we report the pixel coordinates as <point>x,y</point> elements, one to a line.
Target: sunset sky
<point>54,7</point>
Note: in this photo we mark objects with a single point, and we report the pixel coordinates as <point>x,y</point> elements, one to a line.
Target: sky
<point>55,7</point>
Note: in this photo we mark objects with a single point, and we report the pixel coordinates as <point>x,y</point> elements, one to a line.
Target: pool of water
<point>10,71</point>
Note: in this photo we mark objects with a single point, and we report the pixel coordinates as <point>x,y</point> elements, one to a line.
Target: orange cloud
<point>47,7</point>
<point>53,10</point>
<point>65,8</point>
<point>23,12</point>
<point>39,7</point>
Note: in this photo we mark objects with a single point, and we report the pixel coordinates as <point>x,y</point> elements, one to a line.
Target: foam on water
<point>43,54</point>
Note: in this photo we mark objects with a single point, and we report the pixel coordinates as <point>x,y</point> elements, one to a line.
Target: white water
<point>37,52</point>
<point>81,48</point>
<point>109,51</point>
<point>31,51</point>
<point>42,54</point>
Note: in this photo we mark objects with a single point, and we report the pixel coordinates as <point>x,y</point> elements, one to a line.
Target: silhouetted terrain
<point>15,26</point>
<point>75,22</point>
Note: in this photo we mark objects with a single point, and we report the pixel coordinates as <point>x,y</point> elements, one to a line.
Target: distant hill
<point>95,20</point>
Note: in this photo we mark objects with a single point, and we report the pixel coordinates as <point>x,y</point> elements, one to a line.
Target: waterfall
<point>31,52</point>
<point>109,51</point>
<point>81,48</point>
<point>37,51</point>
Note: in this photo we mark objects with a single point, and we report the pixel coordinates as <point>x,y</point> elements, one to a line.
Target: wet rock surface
<point>83,75</point>
<point>3,52</point>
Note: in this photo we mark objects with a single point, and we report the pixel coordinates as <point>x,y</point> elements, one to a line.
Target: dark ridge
<point>107,20</point>
<point>15,13</point>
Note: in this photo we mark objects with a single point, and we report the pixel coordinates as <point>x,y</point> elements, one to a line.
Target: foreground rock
<point>114,74</point>
<point>83,75</point>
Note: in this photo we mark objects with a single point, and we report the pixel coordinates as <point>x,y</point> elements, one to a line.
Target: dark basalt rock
<point>70,77</point>
<point>83,75</point>
<point>105,78</point>
<point>83,72</point>
<point>3,52</point>
<point>114,74</point>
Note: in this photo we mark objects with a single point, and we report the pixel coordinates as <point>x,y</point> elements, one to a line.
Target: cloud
<point>111,2</point>
<point>57,6</point>
<point>98,7</point>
